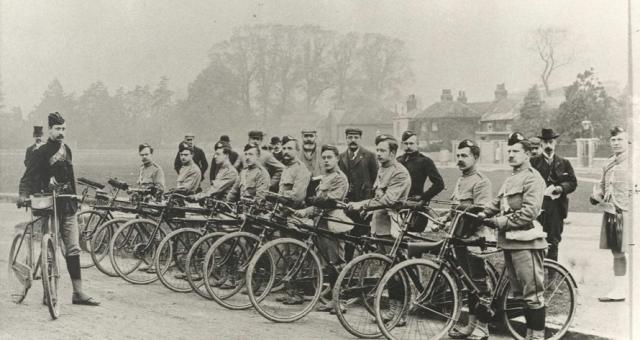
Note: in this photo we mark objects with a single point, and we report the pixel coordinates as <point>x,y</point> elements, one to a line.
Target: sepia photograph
<point>336,169</point>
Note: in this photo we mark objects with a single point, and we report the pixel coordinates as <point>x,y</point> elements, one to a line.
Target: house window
<point>489,127</point>
<point>508,127</point>
<point>434,126</point>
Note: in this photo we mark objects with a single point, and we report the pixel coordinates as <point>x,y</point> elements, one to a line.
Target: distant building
<point>498,115</point>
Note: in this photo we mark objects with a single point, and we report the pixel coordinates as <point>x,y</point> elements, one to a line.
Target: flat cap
<point>353,131</point>
<point>535,141</point>
<point>309,131</point>
<point>256,134</point>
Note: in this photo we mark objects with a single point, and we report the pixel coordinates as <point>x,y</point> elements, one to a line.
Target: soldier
<point>199,158</point>
<point>473,188</point>
<point>275,146</point>
<point>561,181</point>
<point>535,146</point>
<point>311,158</point>
<point>513,212</point>
<point>253,180</point>
<point>189,176</point>
<point>234,159</point>
<point>361,168</point>
<point>420,168</point>
<point>51,164</point>
<point>267,160</point>
<point>227,174</point>
<point>333,186</point>
<point>37,136</point>
<point>150,174</point>
<point>612,193</point>
<point>295,176</point>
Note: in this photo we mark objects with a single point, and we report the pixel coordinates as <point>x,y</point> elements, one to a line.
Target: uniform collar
<point>621,157</point>
<point>391,163</point>
<point>470,172</point>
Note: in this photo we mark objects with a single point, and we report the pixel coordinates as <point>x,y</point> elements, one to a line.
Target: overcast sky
<point>470,45</point>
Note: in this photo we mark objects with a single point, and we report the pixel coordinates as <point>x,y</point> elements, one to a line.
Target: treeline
<point>261,77</point>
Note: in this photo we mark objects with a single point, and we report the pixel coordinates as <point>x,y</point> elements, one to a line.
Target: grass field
<point>100,165</point>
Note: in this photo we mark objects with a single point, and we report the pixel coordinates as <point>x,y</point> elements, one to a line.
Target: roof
<point>448,109</point>
<point>504,109</point>
<point>367,116</point>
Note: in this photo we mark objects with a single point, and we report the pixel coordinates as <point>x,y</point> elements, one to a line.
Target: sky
<point>460,45</point>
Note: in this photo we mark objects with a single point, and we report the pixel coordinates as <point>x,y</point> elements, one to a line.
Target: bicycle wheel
<point>88,222</point>
<point>419,298</point>
<point>131,251</point>
<point>560,291</point>
<point>100,245</point>
<point>20,266</point>
<point>355,291</point>
<point>226,266</point>
<point>171,256</point>
<point>50,275</point>
<point>288,290</point>
<point>195,259</point>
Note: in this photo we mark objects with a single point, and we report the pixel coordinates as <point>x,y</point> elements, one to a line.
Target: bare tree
<point>552,44</point>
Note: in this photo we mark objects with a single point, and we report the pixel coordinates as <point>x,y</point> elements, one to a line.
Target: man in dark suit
<point>199,158</point>
<point>37,136</point>
<point>560,181</point>
<point>361,168</point>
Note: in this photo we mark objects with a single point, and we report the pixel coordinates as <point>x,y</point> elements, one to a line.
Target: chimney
<point>462,97</point>
<point>501,92</point>
<point>446,95</point>
<point>412,104</point>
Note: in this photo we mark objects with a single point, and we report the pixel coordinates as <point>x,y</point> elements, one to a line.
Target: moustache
<point>461,164</point>
<point>548,149</point>
<point>308,142</point>
<point>353,144</point>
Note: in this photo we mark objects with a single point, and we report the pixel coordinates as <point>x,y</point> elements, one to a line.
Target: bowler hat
<point>547,134</point>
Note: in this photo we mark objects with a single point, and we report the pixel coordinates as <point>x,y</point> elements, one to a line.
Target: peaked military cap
<point>467,143</point>
<point>407,134</point>
<point>616,130</point>
<point>353,131</point>
<point>515,138</point>
<point>37,131</point>
<point>384,137</point>
<point>55,118</point>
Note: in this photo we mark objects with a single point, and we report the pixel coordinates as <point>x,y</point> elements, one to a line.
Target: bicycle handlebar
<point>88,182</point>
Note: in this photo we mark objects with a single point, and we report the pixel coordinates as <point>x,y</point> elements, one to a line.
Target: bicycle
<point>22,269</point>
<point>432,302</point>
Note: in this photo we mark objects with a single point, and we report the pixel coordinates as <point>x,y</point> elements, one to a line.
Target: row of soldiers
<point>528,211</point>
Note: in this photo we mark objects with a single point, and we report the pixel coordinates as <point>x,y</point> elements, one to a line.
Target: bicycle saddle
<point>118,184</point>
<point>416,249</point>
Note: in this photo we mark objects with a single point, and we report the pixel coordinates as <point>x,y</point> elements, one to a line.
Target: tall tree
<point>552,45</point>
<point>533,114</point>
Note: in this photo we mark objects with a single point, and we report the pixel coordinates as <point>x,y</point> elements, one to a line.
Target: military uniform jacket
<point>472,188</point>
<point>420,168</point>
<point>189,178</point>
<point>361,169</point>
<point>251,182</point>
<point>52,159</point>
<point>226,177</point>
<point>520,199</point>
<point>615,182</point>
<point>333,186</point>
<point>29,153</point>
<point>559,172</point>
<point>199,158</point>
<point>313,162</point>
<point>151,176</point>
<point>294,181</point>
<point>234,158</point>
<point>273,167</point>
<point>392,184</point>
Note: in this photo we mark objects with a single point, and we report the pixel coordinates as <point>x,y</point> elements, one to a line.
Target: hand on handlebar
<point>22,201</point>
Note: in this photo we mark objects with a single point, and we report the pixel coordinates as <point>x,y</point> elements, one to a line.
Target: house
<point>372,120</point>
<point>498,115</point>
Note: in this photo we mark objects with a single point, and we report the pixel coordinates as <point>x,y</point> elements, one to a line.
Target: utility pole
<point>633,111</point>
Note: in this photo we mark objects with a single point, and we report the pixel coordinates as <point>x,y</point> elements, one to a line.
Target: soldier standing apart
<point>199,158</point>
<point>227,174</point>
<point>612,193</point>
<point>150,174</point>
<point>189,176</point>
<point>513,212</point>
<point>361,168</point>
<point>333,186</point>
<point>253,180</point>
<point>420,168</point>
<point>38,142</point>
<point>311,158</point>
<point>51,164</point>
<point>267,160</point>
<point>560,181</point>
<point>473,188</point>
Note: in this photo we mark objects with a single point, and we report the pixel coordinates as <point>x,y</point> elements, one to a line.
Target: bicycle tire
<point>566,297</point>
<point>100,241</point>
<point>50,276</point>
<point>354,267</point>
<point>261,302</point>
<point>178,243</point>
<point>195,258</point>
<point>18,284</point>
<point>231,254</point>
<point>88,222</point>
<point>133,246</point>
<point>444,287</point>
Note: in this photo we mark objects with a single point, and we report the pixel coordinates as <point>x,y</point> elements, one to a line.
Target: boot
<point>481,332</point>
<point>618,292</point>
<point>462,332</point>
<point>537,335</point>
<point>536,323</point>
